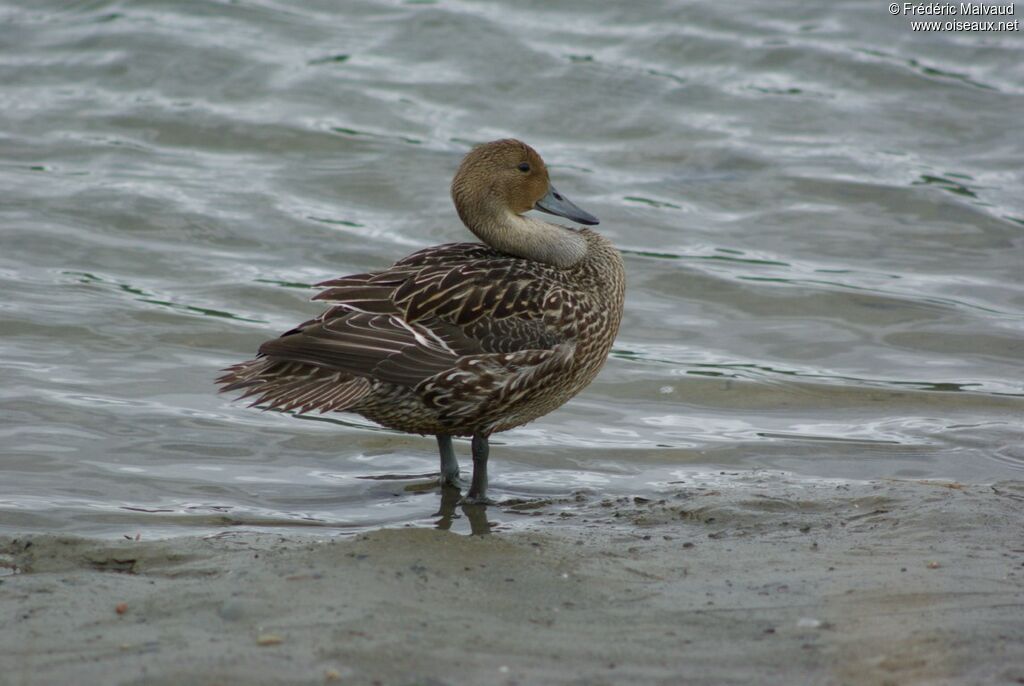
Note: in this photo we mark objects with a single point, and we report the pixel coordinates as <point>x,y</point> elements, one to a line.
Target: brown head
<point>506,176</point>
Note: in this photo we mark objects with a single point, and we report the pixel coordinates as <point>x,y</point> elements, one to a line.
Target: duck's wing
<point>330,363</point>
<point>425,315</point>
<point>373,345</point>
<point>501,303</point>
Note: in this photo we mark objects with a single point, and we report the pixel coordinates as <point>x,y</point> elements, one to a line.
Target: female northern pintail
<point>460,339</point>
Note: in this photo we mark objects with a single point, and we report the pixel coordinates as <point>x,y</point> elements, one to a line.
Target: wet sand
<point>751,577</point>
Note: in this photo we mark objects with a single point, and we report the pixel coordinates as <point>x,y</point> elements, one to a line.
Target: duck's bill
<point>556,203</point>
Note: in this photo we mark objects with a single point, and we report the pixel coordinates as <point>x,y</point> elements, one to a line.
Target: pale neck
<point>532,239</point>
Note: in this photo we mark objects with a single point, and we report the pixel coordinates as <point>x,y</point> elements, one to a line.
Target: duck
<point>462,339</point>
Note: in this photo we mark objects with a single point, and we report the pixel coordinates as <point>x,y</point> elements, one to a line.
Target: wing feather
<point>427,315</point>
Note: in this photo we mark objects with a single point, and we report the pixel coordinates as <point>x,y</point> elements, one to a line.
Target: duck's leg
<point>478,489</point>
<point>449,463</point>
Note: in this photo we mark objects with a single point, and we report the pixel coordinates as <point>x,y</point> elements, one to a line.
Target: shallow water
<point>819,208</point>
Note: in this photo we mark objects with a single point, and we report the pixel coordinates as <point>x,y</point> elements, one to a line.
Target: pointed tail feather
<point>286,386</point>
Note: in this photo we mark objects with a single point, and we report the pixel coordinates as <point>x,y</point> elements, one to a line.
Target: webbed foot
<point>475,500</point>
<point>453,480</point>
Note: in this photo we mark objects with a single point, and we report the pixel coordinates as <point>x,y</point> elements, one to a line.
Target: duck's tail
<point>284,386</point>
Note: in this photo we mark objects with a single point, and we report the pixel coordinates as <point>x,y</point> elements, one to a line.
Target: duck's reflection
<point>476,514</point>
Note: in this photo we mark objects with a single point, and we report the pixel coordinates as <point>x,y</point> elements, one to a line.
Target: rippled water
<point>820,212</point>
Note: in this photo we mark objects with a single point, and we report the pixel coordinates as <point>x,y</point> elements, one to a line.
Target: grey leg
<point>478,489</point>
<point>449,464</point>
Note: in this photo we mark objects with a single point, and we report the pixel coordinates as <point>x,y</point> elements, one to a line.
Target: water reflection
<point>476,515</point>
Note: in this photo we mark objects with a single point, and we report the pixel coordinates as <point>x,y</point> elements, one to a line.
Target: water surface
<point>819,209</point>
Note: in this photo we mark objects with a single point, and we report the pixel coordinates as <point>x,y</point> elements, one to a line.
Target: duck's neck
<point>531,239</point>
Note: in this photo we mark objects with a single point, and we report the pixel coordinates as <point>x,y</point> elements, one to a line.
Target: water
<point>820,212</point>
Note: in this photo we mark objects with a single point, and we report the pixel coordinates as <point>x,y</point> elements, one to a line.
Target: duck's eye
<point>524,167</point>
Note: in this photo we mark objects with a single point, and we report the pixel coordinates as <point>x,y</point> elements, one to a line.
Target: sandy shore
<point>746,578</point>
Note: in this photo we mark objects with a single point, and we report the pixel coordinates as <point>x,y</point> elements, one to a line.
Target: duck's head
<point>499,181</point>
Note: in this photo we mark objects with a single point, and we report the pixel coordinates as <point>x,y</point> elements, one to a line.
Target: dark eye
<point>524,167</point>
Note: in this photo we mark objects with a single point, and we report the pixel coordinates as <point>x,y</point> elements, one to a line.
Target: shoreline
<point>770,580</point>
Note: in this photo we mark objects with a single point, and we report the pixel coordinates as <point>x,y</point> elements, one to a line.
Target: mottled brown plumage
<point>460,339</point>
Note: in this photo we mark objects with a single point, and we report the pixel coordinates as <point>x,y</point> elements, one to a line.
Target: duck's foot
<point>478,488</point>
<point>449,479</point>
<point>449,465</point>
<point>476,500</point>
